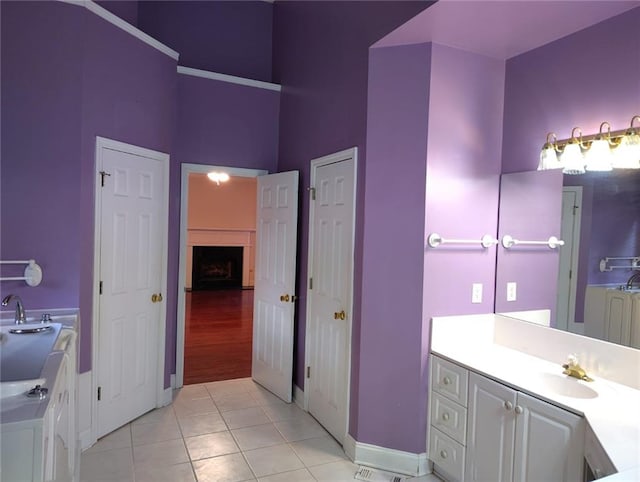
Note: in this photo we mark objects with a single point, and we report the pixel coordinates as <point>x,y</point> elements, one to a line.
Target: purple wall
<point>321,57</point>
<point>385,407</point>
<point>230,37</point>
<point>557,87</point>
<point>41,119</point>
<point>525,197</point>
<point>127,10</point>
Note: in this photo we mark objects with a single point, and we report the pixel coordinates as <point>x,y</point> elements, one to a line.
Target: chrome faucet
<point>634,277</point>
<point>20,316</point>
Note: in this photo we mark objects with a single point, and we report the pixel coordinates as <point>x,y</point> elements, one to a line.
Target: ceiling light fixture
<point>218,177</point>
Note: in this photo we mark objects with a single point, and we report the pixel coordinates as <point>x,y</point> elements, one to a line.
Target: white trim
<point>205,74</point>
<point>123,25</point>
<point>572,326</point>
<point>387,459</point>
<point>298,396</point>
<point>186,169</point>
<point>102,143</point>
<point>351,153</point>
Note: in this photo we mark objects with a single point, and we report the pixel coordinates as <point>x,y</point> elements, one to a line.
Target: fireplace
<point>216,267</point>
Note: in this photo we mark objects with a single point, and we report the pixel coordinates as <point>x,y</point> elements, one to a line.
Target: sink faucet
<point>20,316</point>
<point>634,277</point>
<point>573,369</point>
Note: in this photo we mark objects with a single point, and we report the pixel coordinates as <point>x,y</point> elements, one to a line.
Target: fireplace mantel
<point>224,237</point>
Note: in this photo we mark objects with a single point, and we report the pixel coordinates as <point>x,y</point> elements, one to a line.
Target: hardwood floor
<point>218,334</point>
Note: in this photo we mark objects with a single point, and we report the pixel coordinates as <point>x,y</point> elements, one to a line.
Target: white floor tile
<point>115,464</point>
<point>342,471</point>
<point>196,406</point>
<point>211,445</point>
<point>146,433</point>
<point>202,424</point>
<point>264,397</point>
<point>226,388</point>
<point>245,417</point>
<point>300,429</point>
<point>300,475</point>
<point>157,415</point>
<point>273,460</point>
<point>226,468</point>
<point>317,451</point>
<point>235,401</point>
<point>258,436</point>
<point>191,392</point>
<point>278,412</point>
<point>170,452</point>
<point>172,473</point>
<point>121,438</point>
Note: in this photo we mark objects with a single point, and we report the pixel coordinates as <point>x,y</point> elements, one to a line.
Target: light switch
<point>476,293</point>
<point>511,291</point>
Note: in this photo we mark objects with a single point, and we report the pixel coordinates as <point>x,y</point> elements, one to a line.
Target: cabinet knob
<point>444,454</point>
<point>445,416</point>
<point>508,405</point>
<point>446,381</point>
<point>519,409</point>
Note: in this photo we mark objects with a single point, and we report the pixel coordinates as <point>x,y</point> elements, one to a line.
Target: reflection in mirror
<point>600,219</point>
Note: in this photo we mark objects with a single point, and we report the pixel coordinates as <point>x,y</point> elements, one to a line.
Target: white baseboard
<point>167,396</point>
<point>383,458</point>
<point>298,396</point>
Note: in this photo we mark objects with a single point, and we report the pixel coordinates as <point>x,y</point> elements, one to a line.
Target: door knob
<point>339,316</point>
<point>284,298</point>
<point>154,298</point>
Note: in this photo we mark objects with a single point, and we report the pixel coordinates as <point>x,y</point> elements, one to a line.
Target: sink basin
<point>567,386</point>
<point>11,389</point>
<point>29,329</point>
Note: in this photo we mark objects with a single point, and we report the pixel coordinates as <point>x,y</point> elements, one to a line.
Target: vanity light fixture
<point>218,177</point>
<point>603,151</point>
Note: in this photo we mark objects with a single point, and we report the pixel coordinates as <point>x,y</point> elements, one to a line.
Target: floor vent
<point>372,475</point>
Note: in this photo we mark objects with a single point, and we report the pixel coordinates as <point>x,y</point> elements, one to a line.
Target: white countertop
<point>611,409</point>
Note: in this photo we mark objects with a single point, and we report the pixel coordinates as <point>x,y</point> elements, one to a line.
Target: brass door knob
<point>339,316</point>
<point>154,298</point>
<point>284,298</point>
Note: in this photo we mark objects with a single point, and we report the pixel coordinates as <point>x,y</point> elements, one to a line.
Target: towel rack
<point>634,263</point>
<point>509,241</point>
<point>434,240</point>
<point>32,272</point>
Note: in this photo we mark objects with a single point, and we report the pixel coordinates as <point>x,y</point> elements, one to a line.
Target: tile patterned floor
<point>228,431</point>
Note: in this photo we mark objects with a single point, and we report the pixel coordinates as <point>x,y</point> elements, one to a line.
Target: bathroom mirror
<point>606,224</point>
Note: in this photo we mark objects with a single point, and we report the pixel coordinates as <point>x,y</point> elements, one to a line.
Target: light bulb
<point>218,177</point>
<point>598,157</point>
<point>572,159</point>
<point>627,154</point>
<point>548,159</point>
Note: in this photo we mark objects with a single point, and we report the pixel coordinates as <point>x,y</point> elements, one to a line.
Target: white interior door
<point>568,263</point>
<point>133,214</point>
<point>275,275</point>
<point>330,292</point>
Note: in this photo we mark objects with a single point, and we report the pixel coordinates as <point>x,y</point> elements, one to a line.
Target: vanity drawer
<point>449,380</point>
<point>447,455</point>
<point>449,417</point>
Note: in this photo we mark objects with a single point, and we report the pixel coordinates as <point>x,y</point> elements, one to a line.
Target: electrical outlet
<point>511,291</point>
<point>476,293</point>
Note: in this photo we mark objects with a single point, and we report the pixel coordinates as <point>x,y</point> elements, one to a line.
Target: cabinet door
<point>549,442</point>
<point>490,431</point>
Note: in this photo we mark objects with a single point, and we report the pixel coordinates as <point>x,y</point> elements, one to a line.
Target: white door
<point>132,265</point>
<point>275,276</point>
<point>568,263</point>
<point>329,295</point>
<point>490,431</point>
<point>549,442</point>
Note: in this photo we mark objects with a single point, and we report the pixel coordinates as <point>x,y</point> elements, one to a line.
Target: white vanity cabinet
<point>498,433</point>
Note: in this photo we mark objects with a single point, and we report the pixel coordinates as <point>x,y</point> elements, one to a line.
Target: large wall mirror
<point>597,215</point>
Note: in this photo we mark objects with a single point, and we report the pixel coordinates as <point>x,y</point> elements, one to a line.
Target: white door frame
<point>572,326</point>
<point>101,143</point>
<point>315,164</point>
<point>187,169</point>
